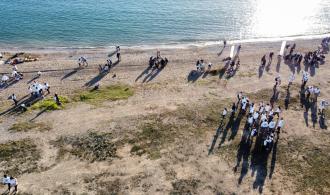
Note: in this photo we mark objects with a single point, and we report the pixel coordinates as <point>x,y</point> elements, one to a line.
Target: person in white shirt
<point>280,125</point>
<point>261,108</point>
<point>255,116</point>
<point>254,132</point>
<point>267,108</point>
<point>291,79</point>
<point>209,67</point>
<point>13,183</point>
<point>271,126</point>
<point>263,117</point>
<point>244,106</point>
<point>6,181</point>
<point>269,140</point>
<point>278,111</point>
<point>264,125</point>
<point>224,113</point>
<point>304,79</point>
<point>250,120</point>
<point>251,108</point>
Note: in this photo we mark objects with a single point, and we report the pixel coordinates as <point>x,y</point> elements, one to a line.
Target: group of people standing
<point>262,121</point>
<point>11,182</point>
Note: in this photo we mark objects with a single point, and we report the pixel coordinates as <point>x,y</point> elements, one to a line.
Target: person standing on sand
<point>57,100</point>
<point>233,108</point>
<point>47,87</point>
<point>224,113</point>
<point>13,183</point>
<point>118,56</point>
<point>280,125</point>
<point>13,97</point>
<point>6,181</point>
<point>291,79</point>
<point>304,79</point>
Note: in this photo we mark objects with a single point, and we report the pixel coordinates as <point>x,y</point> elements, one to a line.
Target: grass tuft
<point>49,104</point>
<point>307,164</point>
<point>92,147</point>
<point>18,157</point>
<point>113,93</point>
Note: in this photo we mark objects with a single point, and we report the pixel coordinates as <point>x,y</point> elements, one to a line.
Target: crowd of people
<point>264,121</point>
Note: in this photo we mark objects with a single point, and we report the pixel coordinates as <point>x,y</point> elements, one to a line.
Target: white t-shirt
<point>263,117</point>
<point>250,120</point>
<point>224,112</point>
<point>251,109</point>
<point>267,108</point>
<point>264,124</point>
<point>280,123</point>
<point>6,180</point>
<point>13,182</point>
<point>272,125</point>
<point>255,115</point>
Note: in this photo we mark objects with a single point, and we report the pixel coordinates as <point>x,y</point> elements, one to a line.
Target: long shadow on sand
<point>100,76</point>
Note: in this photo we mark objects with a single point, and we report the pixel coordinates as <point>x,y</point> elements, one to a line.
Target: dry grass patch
<point>184,186</point>
<point>307,165</point>
<point>18,157</point>
<point>30,126</point>
<point>158,131</point>
<point>92,146</point>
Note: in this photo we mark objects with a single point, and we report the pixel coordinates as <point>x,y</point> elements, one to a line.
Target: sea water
<point>102,23</point>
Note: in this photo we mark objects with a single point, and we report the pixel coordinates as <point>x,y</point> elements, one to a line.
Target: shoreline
<point>170,45</point>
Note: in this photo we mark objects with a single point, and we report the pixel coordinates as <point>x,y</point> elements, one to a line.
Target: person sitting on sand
<point>82,62</point>
<point>13,183</point>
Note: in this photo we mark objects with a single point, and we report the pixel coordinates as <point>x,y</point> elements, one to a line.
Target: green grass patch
<point>307,164</point>
<point>112,93</point>
<point>18,157</point>
<point>92,146</point>
<point>49,104</point>
<point>29,126</point>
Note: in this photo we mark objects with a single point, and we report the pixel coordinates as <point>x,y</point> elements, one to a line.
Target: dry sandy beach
<point>157,140</point>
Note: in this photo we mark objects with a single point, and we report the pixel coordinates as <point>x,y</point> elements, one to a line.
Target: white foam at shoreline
<point>178,45</point>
